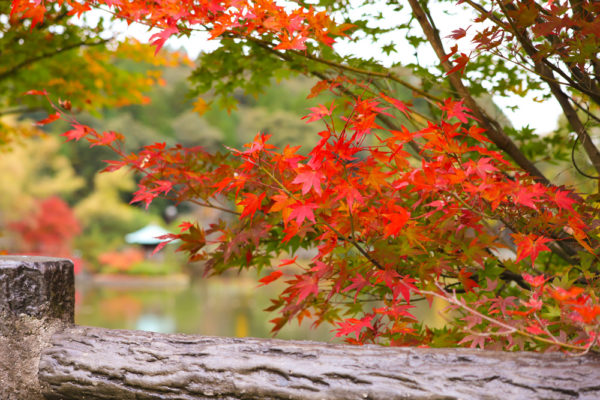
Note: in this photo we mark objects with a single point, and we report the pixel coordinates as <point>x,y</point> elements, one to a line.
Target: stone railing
<point>44,355</point>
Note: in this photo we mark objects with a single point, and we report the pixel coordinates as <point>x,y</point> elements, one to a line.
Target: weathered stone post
<point>37,298</point>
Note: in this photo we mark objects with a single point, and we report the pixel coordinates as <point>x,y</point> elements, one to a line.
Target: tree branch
<point>12,70</point>
<point>387,75</point>
<point>493,130</point>
<point>548,76</point>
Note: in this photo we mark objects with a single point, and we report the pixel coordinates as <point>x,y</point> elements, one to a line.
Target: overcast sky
<point>543,117</point>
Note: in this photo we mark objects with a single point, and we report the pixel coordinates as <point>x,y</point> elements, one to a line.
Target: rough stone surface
<point>36,300</point>
<point>40,287</point>
<point>42,355</point>
<point>96,363</point>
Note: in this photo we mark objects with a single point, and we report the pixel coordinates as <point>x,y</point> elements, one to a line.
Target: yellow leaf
<point>201,106</point>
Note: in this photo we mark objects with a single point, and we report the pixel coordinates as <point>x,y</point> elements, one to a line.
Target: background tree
<point>75,61</point>
<point>33,218</point>
<point>409,193</point>
<point>79,64</point>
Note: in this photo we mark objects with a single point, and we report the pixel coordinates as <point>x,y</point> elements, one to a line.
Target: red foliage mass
<point>49,231</point>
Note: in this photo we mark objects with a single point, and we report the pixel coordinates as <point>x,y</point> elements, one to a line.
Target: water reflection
<point>156,323</point>
<point>216,306</point>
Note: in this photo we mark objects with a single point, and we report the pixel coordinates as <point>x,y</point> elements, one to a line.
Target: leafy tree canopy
<point>415,188</point>
<point>77,63</point>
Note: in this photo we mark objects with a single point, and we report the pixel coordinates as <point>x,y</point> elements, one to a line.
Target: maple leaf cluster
<point>385,228</point>
<point>577,27</point>
<point>395,215</point>
<point>238,18</point>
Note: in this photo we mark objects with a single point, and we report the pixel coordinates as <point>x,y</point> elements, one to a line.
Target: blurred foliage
<point>32,217</point>
<point>106,217</point>
<point>170,116</point>
<point>34,169</point>
<point>49,231</point>
<point>122,260</point>
<point>39,166</point>
<point>81,66</point>
<point>78,62</point>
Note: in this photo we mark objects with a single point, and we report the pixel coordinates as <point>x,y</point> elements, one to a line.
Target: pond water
<point>218,306</point>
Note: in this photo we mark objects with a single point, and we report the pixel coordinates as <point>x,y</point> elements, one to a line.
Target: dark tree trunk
<point>96,363</point>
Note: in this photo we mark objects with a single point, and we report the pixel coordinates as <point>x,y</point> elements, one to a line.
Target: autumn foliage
<point>122,260</point>
<point>397,214</point>
<point>50,231</point>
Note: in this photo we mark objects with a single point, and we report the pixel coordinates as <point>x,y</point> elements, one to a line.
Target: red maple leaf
<point>525,197</point>
<point>476,341</point>
<point>536,281</point>
<point>36,93</point>
<point>310,179</point>
<point>319,112</point>
<point>251,203</point>
<point>105,139</point>
<point>500,304</point>
<point>287,261</point>
<point>270,278</point>
<point>404,287</point>
<point>143,195</point>
<point>49,119</point>
<point>563,199</point>
<point>534,303</point>
<point>588,314</point>
<point>458,33</point>
<point>396,103</point>
<point>534,329</point>
<point>564,295</point>
<point>482,168</point>
<point>358,283</point>
<point>396,311</point>
<point>77,132</point>
<point>460,64</point>
<point>465,278</point>
<point>282,203</point>
<point>162,186</point>
<point>529,245</point>
<point>159,38</point>
<point>78,8</point>
<point>456,109</point>
<point>453,51</point>
<point>318,88</point>
<point>289,158</point>
<point>305,286</point>
<point>475,133</point>
<point>290,230</point>
<point>291,43</point>
<point>353,325</point>
<point>397,220</point>
<point>303,211</point>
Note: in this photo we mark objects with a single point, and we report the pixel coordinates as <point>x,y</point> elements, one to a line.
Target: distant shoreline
<point>135,280</point>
